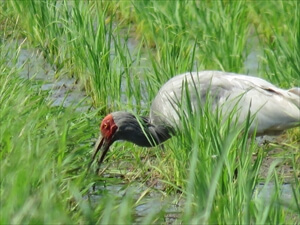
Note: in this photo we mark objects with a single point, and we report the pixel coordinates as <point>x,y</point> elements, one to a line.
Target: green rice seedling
<point>222,178</point>
<point>279,36</point>
<point>222,30</point>
<point>159,16</point>
<point>132,86</point>
<point>105,56</point>
<point>42,27</point>
<point>93,57</point>
<point>44,151</point>
<point>21,156</point>
<point>36,150</point>
<point>77,36</point>
<point>214,164</point>
<point>37,155</point>
<point>268,17</point>
<point>211,164</point>
<point>282,63</point>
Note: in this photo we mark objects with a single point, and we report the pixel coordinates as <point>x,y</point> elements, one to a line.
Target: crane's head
<point>108,129</point>
<point>122,125</point>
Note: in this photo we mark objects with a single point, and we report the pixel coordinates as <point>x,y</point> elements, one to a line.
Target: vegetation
<point>121,52</point>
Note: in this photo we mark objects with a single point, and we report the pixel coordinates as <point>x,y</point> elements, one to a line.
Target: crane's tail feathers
<point>296,95</point>
<point>295,90</point>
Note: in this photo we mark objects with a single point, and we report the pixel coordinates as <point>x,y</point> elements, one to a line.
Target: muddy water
<point>149,201</point>
<point>266,191</point>
<point>154,201</point>
<point>251,63</point>
<point>62,92</point>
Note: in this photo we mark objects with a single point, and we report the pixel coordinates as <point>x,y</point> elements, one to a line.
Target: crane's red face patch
<point>108,127</point>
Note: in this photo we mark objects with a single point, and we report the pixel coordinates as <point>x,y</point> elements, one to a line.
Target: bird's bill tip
<point>98,145</point>
<point>102,143</point>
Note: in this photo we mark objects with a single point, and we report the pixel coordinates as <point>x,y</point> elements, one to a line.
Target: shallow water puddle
<point>62,92</point>
<point>266,191</point>
<point>154,201</point>
<point>148,200</point>
<point>251,63</point>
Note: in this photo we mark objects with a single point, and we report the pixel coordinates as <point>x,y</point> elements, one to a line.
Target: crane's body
<point>273,109</point>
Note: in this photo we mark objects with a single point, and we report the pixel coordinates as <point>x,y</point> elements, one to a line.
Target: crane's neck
<point>140,131</point>
<point>158,134</point>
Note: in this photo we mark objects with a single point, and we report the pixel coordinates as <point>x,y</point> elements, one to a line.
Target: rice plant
<point>212,167</point>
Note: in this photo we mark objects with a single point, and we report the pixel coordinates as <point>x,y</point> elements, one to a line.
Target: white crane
<point>274,109</point>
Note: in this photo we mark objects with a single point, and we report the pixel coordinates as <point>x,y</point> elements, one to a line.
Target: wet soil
<point>284,158</point>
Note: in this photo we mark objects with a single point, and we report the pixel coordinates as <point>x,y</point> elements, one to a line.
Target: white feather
<point>275,109</point>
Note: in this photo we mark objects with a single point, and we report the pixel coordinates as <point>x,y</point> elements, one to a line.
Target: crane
<point>274,109</point>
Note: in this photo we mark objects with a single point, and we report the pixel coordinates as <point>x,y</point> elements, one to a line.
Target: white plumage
<point>274,109</point>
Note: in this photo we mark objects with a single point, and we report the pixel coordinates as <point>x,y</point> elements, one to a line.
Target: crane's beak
<point>104,144</point>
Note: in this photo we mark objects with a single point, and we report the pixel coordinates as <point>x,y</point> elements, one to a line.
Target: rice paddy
<point>65,64</point>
